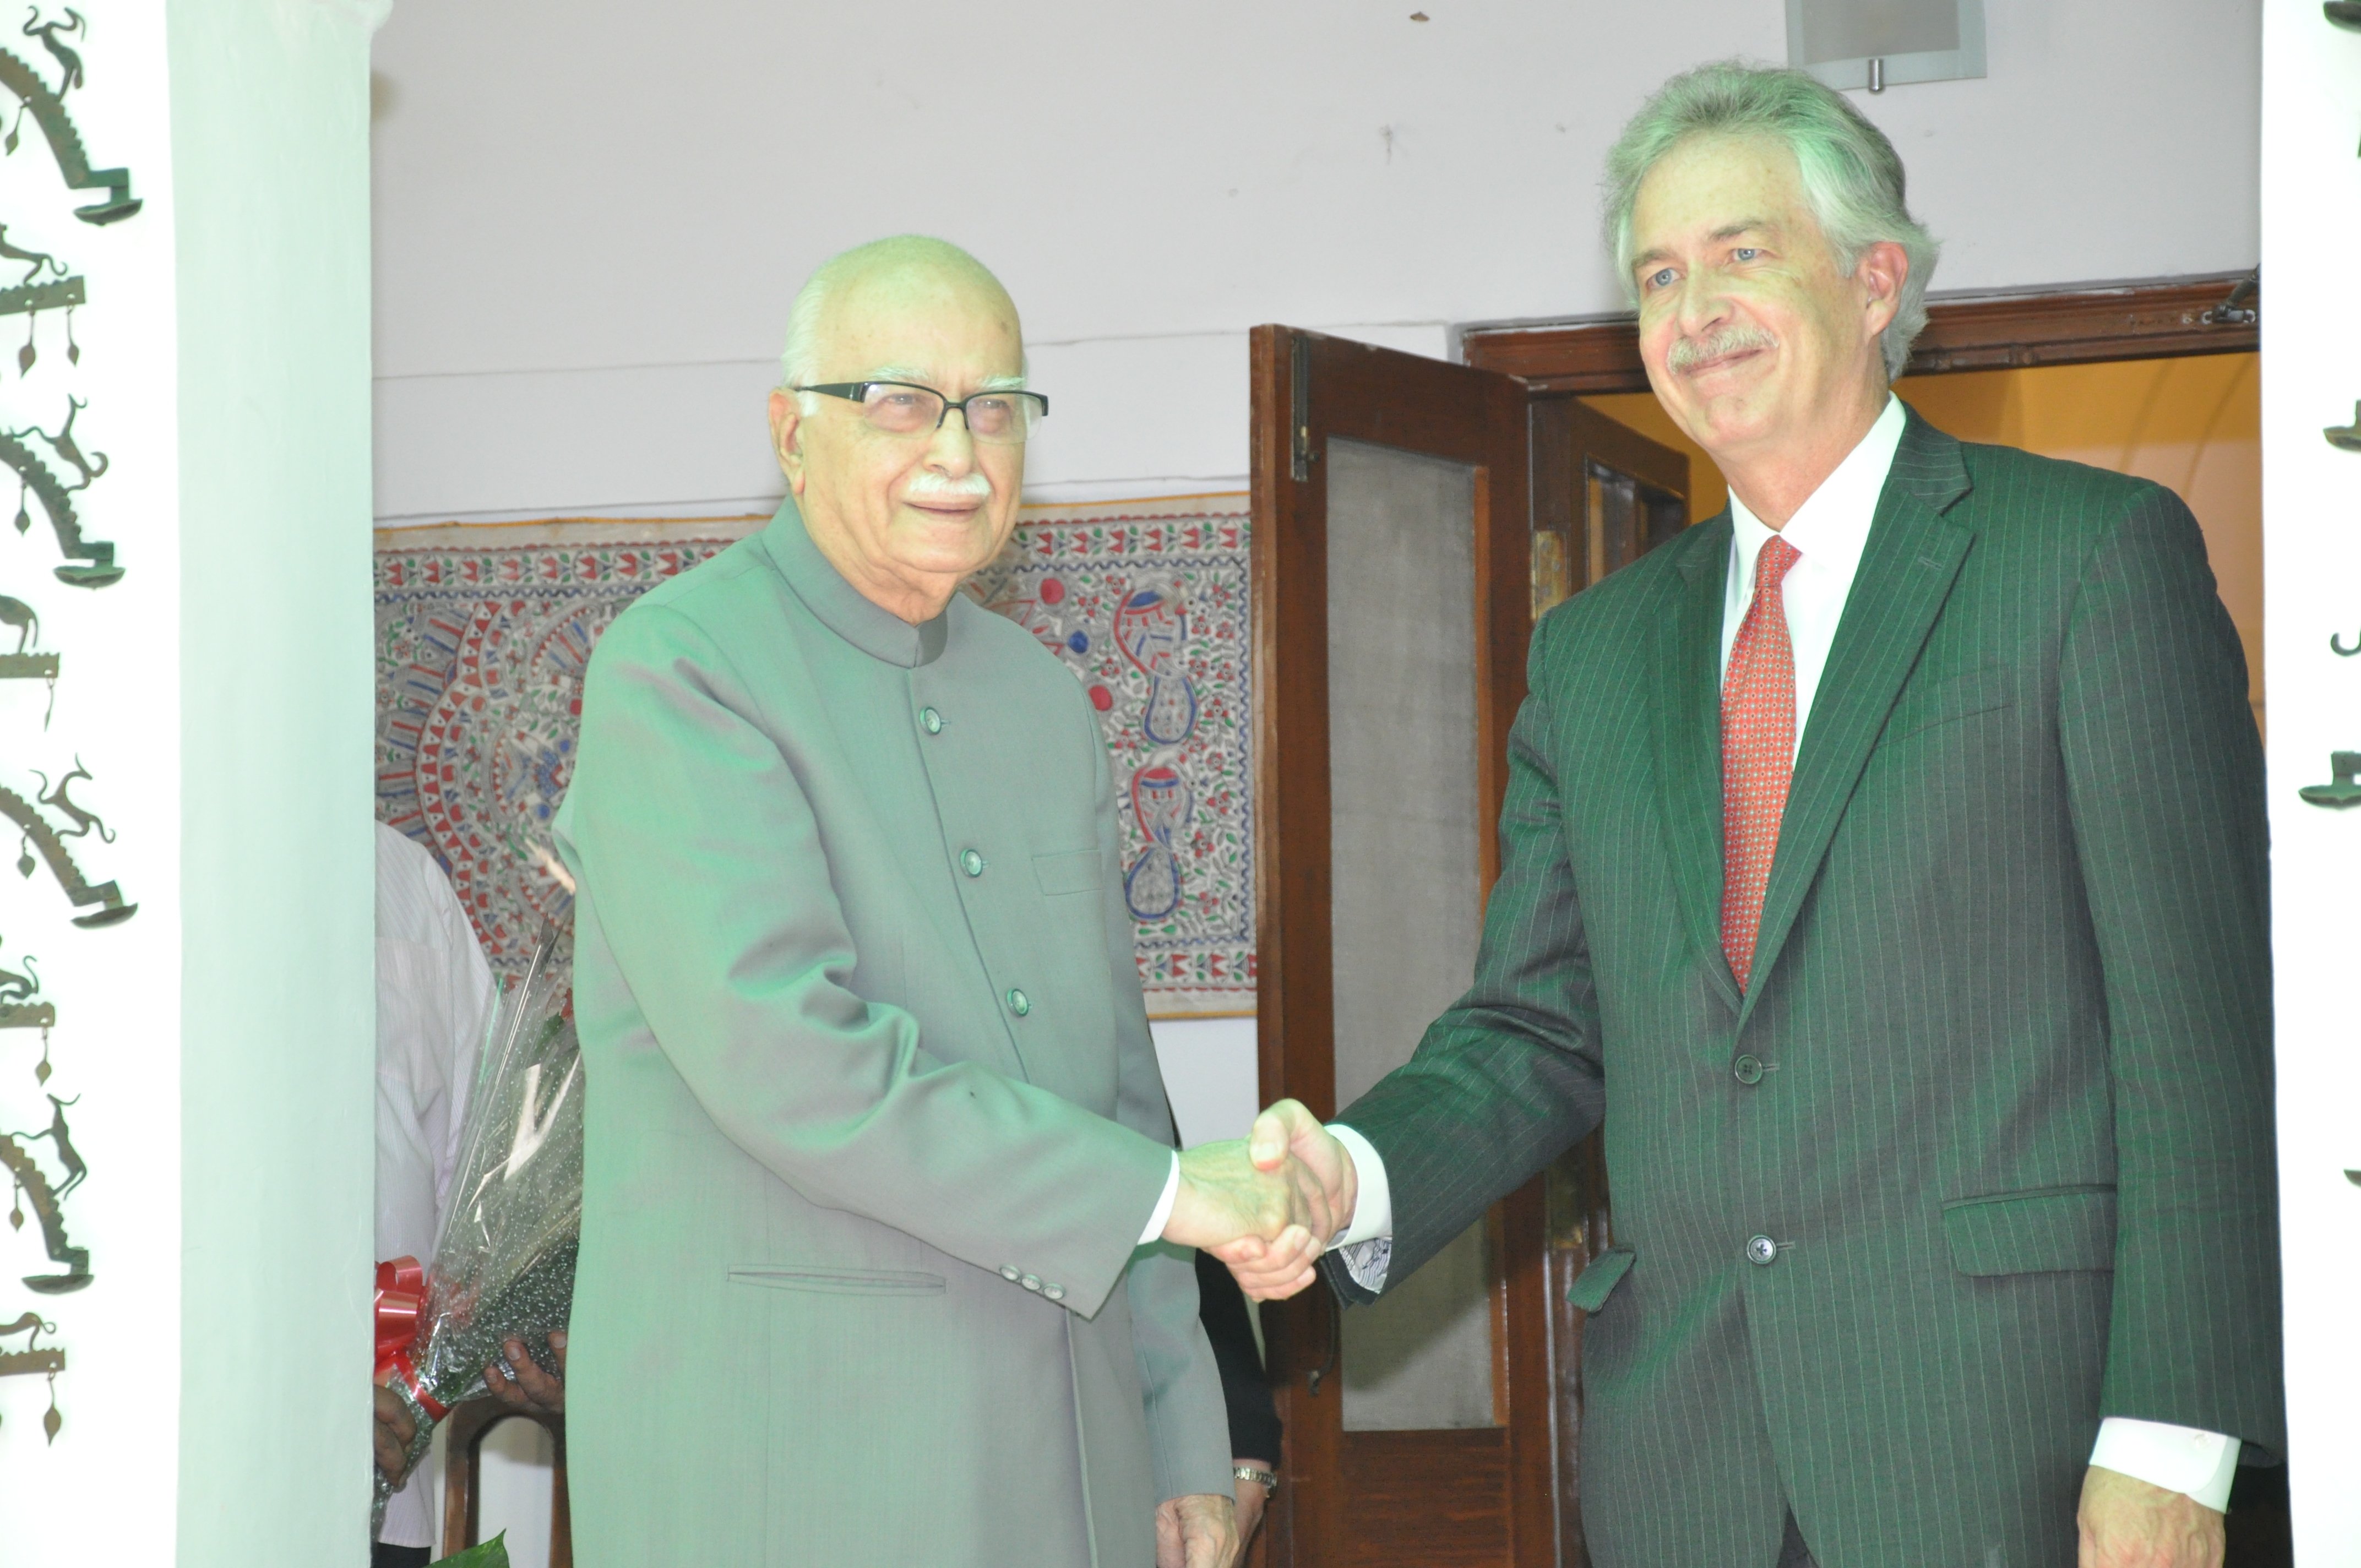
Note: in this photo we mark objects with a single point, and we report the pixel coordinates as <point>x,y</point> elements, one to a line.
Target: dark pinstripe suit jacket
<point>2012,1129</point>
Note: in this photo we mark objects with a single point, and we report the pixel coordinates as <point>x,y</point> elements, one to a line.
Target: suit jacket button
<point>1019,1004</point>
<point>1748,1070</point>
<point>1031,1282</point>
<point>970,862</point>
<point>1011,1273</point>
<point>1762,1251</point>
<point>931,719</point>
<point>1055,1292</point>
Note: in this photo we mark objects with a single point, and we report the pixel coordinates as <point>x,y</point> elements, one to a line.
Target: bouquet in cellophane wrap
<point>504,1266</point>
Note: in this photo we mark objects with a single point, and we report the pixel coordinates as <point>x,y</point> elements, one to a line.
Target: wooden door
<point>1604,495</point>
<point>1392,581</point>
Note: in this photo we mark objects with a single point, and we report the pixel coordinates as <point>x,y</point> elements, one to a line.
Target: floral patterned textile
<point>483,632</point>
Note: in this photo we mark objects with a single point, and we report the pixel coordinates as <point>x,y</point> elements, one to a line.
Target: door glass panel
<point>1405,814</point>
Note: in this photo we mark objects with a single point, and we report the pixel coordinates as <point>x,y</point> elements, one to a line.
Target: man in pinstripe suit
<point>1883,862</point>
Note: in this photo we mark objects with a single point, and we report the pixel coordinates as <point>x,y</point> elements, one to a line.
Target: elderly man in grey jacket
<point>883,1227</point>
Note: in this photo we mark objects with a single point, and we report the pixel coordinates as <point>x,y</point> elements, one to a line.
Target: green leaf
<point>493,1553</point>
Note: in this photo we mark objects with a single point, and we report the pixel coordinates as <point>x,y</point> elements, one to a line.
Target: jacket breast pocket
<point>839,1281</point>
<point>1073,870</point>
<point>2033,1232</point>
<point>1950,700</point>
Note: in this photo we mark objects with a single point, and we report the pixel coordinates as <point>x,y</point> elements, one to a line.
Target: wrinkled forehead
<point>1715,186</point>
<point>953,327</point>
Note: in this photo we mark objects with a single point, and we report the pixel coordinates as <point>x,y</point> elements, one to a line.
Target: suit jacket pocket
<point>1950,700</point>
<point>840,1281</point>
<point>1597,1282</point>
<point>2032,1231</point>
<point>1075,870</point>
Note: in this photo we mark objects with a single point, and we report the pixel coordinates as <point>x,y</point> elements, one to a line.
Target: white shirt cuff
<point>1157,1221</point>
<point>2179,1459</point>
<point>1373,1211</point>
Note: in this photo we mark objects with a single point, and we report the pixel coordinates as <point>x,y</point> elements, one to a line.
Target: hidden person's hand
<point>393,1432</point>
<point>522,1385</point>
<point>1199,1530</point>
<point>2125,1522</point>
<point>1252,1495</point>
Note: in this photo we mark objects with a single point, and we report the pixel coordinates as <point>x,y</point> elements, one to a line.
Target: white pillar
<point>2312,587</point>
<point>270,162</point>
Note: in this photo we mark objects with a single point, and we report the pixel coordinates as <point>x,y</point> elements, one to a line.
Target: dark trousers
<point>384,1556</point>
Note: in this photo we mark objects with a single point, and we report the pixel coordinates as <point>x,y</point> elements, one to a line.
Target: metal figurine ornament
<point>33,1186</point>
<point>20,1010</point>
<point>24,664</point>
<point>31,297</point>
<point>34,1361</point>
<point>48,111</point>
<point>35,477</point>
<point>41,834</point>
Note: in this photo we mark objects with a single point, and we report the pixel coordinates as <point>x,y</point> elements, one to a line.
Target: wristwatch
<point>1268,1480</point>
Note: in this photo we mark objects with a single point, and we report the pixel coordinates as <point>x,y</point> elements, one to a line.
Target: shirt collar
<point>1832,528</point>
<point>841,606</point>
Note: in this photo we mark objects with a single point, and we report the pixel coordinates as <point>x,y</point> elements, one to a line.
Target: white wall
<point>590,220</point>
<point>2311,586</point>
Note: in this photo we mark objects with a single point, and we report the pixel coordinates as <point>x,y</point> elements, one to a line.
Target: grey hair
<point>1852,178</point>
<point>799,360</point>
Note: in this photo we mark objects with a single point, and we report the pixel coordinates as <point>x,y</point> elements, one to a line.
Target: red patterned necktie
<point>1758,753</point>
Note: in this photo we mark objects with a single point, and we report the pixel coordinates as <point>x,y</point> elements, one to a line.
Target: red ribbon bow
<point>400,1309</point>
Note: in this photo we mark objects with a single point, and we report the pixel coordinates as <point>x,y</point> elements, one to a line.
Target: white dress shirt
<point>433,996</point>
<point>1828,532</point>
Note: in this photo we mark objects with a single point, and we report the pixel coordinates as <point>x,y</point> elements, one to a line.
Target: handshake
<point>1267,1205</point>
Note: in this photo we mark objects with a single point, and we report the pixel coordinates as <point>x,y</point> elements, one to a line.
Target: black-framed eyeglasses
<point>999,418</point>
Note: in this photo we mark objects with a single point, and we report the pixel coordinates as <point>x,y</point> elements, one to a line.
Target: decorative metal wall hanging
<point>33,1186</point>
<point>41,460</point>
<point>31,297</point>
<point>18,1010</point>
<point>24,664</point>
<point>2346,437</point>
<point>40,835</point>
<point>48,111</point>
<point>2345,786</point>
<point>57,501</point>
<point>34,1361</point>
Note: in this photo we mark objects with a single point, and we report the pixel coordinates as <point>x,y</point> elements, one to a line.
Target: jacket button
<point>1011,1273</point>
<point>970,862</point>
<point>1019,1004</point>
<point>1748,1070</point>
<point>1031,1282</point>
<point>1762,1251</point>
<point>931,719</point>
<point>1055,1292</point>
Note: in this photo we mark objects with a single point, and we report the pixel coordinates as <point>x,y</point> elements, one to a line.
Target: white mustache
<point>1689,352</point>
<point>972,486</point>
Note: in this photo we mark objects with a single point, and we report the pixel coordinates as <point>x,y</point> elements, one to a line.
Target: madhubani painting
<point>484,629</point>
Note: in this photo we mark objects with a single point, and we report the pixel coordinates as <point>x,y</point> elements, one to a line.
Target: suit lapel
<point>1906,575</point>
<point>1686,675</point>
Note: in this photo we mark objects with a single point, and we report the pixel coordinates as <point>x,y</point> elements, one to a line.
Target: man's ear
<point>786,438</point>
<point>1881,271</point>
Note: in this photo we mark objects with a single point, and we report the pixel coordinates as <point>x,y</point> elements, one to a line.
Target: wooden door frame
<point>2151,319</point>
<point>1462,414</point>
